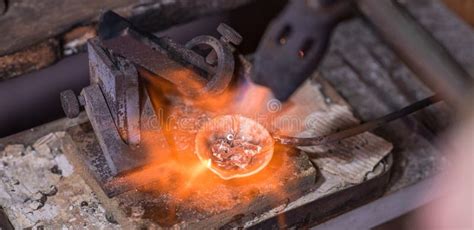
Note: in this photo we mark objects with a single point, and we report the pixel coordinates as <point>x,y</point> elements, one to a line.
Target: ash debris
<point>39,189</point>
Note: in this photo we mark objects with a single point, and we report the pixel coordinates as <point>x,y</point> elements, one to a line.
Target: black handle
<point>295,43</point>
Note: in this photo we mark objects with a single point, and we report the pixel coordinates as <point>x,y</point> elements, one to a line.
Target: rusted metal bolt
<point>229,36</point>
<point>3,7</point>
<point>70,103</point>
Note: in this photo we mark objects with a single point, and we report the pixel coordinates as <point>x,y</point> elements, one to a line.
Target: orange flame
<point>179,174</point>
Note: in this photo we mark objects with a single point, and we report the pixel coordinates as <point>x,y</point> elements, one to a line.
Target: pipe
<point>33,99</point>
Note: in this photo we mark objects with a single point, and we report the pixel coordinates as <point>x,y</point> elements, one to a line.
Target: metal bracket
<point>180,65</point>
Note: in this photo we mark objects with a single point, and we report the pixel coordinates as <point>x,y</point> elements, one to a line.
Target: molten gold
<point>234,146</point>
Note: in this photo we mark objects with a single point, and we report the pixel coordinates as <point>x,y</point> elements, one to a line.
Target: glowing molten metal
<point>234,146</point>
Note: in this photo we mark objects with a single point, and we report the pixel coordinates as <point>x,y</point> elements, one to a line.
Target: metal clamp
<point>163,57</point>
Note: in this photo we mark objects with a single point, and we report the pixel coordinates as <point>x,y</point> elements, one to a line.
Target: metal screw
<point>70,103</point>
<point>229,36</point>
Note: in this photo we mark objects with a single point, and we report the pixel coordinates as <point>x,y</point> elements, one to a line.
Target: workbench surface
<point>358,65</point>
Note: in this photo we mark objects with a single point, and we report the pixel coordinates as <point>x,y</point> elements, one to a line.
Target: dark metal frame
<point>117,101</point>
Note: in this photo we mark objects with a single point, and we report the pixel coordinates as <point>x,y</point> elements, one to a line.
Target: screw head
<point>70,103</point>
<point>229,34</point>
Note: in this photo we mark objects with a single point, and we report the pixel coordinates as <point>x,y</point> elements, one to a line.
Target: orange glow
<point>191,185</point>
<point>177,175</point>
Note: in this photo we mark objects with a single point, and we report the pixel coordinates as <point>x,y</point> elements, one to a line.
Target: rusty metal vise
<point>118,104</point>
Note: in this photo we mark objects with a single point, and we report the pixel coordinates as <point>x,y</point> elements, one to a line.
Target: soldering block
<point>205,201</point>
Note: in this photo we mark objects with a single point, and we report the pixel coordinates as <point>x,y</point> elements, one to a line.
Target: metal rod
<point>426,57</point>
<point>334,137</point>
